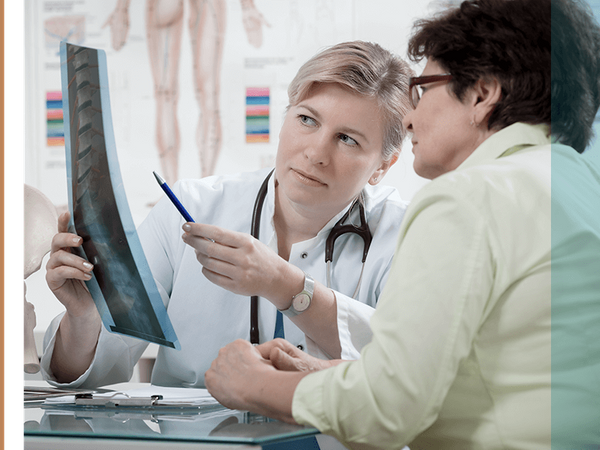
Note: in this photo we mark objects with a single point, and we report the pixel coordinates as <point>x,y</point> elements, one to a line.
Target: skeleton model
<point>39,225</point>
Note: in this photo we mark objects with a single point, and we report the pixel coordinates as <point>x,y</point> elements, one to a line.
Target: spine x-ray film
<point>122,285</point>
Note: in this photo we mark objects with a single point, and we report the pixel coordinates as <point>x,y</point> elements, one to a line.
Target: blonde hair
<point>366,69</point>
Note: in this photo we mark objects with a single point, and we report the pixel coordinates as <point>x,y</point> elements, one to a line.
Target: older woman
<point>342,132</point>
<point>461,354</point>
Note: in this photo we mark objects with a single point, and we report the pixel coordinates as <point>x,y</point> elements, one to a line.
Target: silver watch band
<point>302,300</point>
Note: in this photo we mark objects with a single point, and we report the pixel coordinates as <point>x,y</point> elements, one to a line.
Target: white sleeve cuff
<point>353,325</point>
<point>113,362</point>
<point>354,330</point>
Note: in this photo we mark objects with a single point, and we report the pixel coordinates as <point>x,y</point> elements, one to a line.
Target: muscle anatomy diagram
<point>164,29</point>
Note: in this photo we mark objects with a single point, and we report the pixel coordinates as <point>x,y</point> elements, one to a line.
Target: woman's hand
<point>285,356</point>
<point>242,264</point>
<point>240,378</point>
<point>231,374</point>
<point>66,272</point>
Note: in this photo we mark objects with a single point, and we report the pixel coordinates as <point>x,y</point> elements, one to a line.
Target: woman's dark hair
<point>510,40</point>
<point>575,72</point>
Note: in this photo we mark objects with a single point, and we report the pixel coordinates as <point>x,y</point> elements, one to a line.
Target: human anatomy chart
<point>180,72</point>
<point>207,22</point>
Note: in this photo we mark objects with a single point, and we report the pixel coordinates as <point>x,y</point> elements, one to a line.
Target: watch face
<point>301,302</point>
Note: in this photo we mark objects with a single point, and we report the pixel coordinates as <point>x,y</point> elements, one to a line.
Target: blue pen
<point>165,187</point>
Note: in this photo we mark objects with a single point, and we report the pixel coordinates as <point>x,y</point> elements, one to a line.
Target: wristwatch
<point>301,301</point>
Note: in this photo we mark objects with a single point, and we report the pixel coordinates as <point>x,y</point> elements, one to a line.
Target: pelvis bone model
<point>39,225</point>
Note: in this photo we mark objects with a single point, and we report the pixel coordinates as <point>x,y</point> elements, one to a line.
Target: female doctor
<point>341,134</point>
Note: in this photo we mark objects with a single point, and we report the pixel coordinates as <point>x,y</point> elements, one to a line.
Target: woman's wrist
<point>280,386</point>
<point>291,283</point>
<point>88,319</point>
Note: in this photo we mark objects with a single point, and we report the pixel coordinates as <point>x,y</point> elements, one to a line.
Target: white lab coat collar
<point>268,225</point>
<point>269,211</point>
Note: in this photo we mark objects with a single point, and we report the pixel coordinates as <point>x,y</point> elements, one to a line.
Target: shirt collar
<point>507,141</point>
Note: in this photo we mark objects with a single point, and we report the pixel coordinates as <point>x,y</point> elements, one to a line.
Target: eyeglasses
<point>416,91</point>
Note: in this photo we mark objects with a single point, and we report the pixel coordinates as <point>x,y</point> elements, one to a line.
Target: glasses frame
<point>417,81</point>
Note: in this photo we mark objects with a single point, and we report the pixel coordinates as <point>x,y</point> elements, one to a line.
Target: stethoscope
<point>338,229</point>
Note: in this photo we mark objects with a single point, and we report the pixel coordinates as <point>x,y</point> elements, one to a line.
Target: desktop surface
<point>211,424</point>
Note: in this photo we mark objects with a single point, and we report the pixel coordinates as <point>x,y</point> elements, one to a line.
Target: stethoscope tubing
<point>255,231</point>
<point>339,228</point>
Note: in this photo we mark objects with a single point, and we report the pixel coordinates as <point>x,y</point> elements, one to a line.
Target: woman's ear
<point>485,96</point>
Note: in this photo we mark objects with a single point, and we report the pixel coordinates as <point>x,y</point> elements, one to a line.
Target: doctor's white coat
<point>206,317</point>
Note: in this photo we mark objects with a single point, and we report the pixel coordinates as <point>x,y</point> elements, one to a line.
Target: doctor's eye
<point>347,140</point>
<point>306,120</point>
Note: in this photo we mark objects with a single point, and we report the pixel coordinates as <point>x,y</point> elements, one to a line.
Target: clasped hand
<point>242,264</point>
<point>241,369</point>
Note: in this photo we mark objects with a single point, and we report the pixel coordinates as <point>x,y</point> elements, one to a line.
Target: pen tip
<point>158,178</point>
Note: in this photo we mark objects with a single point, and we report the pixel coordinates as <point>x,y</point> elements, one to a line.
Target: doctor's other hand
<point>287,357</point>
<point>66,272</point>
<point>242,264</point>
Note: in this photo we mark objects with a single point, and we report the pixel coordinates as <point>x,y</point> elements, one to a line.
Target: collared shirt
<point>207,317</point>
<point>461,349</point>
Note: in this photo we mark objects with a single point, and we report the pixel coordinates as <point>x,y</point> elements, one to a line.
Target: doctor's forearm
<point>75,346</point>
<point>319,321</point>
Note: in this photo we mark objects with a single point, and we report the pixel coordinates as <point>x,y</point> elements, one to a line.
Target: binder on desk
<point>182,414</point>
<point>36,394</point>
<point>122,285</point>
<point>152,397</point>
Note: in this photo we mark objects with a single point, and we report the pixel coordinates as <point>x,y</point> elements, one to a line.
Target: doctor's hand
<point>242,264</point>
<point>285,356</point>
<point>66,272</point>
<point>80,327</point>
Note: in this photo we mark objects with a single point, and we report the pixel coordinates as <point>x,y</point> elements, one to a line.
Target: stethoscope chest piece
<point>339,229</point>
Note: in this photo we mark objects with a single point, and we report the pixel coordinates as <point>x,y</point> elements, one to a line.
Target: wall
<point>295,30</point>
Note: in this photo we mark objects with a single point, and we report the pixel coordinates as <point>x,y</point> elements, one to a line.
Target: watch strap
<point>308,290</point>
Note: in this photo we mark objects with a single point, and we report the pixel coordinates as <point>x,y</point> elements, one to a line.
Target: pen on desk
<point>165,187</point>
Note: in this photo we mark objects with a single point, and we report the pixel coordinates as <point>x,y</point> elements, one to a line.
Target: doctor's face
<point>330,146</point>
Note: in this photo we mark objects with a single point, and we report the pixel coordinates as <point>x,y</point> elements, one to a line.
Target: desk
<point>216,428</point>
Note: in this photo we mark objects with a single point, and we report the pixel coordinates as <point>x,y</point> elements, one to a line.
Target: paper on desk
<point>171,395</point>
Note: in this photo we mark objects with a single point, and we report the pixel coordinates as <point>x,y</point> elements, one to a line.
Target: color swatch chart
<point>55,135</point>
<point>257,114</point>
